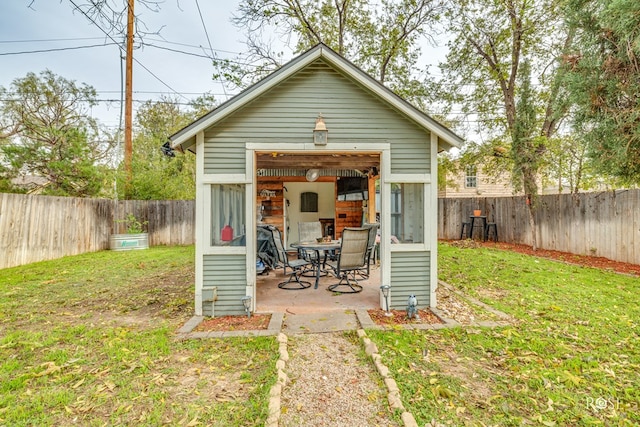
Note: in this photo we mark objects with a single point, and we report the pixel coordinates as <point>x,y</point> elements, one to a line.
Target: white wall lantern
<point>320,133</point>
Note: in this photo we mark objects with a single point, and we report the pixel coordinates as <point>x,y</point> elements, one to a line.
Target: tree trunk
<point>532,224</point>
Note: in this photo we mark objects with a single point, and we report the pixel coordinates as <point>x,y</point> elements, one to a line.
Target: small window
<point>407,213</point>
<point>471,177</point>
<point>228,215</point>
<point>309,202</point>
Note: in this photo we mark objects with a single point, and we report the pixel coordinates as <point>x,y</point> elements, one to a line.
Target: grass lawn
<point>90,340</point>
<point>573,358</point>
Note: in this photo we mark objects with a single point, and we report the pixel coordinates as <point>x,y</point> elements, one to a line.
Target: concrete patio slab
<point>312,323</point>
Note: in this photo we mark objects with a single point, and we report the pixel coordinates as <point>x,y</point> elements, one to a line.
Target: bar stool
<point>465,226</point>
<point>491,226</point>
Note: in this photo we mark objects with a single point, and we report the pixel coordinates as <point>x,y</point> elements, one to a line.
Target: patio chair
<point>351,259</point>
<point>310,232</point>
<point>296,266</point>
<point>371,245</point>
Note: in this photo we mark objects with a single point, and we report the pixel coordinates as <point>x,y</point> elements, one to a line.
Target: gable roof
<point>186,137</point>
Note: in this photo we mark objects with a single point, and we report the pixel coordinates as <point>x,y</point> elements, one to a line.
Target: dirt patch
<point>455,308</point>
<point>399,317</point>
<point>584,260</point>
<point>471,373</point>
<point>235,323</point>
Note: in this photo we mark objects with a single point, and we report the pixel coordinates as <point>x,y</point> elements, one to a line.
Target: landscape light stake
<point>385,292</point>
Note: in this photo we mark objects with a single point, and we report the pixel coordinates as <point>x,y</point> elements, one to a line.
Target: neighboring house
<point>472,181</point>
<point>250,148</point>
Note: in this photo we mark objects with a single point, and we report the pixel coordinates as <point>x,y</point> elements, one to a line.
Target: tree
<point>49,134</point>
<point>604,81</point>
<point>155,175</point>
<point>381,38</point>
<point>483,71</point>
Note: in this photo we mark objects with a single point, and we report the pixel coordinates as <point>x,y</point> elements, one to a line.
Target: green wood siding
<point>287,114</point>
<point>410,275</point>
<point>229,274</point>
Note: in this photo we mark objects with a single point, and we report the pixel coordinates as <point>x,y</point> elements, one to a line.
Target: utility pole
<point>128,103</point>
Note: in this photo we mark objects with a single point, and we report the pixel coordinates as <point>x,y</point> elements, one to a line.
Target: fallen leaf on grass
<point>51,368</point>
<point>574,379</point>
<point>440,391</point>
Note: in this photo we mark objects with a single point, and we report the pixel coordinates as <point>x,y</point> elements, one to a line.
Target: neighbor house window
<point>228,215</point>
<point>407,213</point>
<point>471,177</point>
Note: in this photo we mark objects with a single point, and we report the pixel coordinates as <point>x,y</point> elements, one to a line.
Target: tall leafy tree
<point>49,134</point>
<point>380,37</point>
<point>604,81</point>
<point>484,76</point>
<point>157,176</point>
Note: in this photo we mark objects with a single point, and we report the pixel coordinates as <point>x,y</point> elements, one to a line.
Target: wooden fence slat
<point>604,223</point>
<point>35,228</point>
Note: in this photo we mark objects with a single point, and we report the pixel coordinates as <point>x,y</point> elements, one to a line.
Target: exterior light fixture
<point>312,175</point>
<point>246,302</point>
<point>385,293</point>
<point>320,133</point>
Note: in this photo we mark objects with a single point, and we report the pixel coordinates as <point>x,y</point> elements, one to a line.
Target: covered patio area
<point>271,299</point>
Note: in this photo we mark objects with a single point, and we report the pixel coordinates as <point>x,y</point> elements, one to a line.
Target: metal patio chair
<point>296,266</point>
<point>371,246</point>
<point>351,259</point>
<point>310,232</point>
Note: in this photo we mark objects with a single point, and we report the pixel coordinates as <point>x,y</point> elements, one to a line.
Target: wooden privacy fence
<point>603,224</point>
<point>36,228</point>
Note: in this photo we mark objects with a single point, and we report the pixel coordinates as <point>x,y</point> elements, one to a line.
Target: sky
<point>36,25</point>
<point>29,27</point>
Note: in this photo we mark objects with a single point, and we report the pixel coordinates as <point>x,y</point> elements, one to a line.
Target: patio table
<point>482,220</point>
<point>317,247</point>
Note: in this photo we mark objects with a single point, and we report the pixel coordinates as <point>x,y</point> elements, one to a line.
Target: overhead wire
<point>209,41</point>
<point>122,49</point>
<point>50,40</point>
<point>57,49</point>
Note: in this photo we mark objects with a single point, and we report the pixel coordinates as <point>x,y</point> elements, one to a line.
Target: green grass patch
<point>572,359</point>
<point>90,340</point>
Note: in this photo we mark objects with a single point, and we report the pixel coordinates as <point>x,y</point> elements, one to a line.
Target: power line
<point>192,45</point>
<point>209,41</point>
<point>121,48</point>
<point>51,40</point>
<point>100,38</point>
<point>199,55</point>
<point>113,100</point>
<point>58,49</point>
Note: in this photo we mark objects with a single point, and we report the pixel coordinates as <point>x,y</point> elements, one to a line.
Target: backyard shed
<point>264,156</point>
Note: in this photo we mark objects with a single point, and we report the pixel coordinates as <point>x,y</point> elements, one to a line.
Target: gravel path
<point>329,385</point>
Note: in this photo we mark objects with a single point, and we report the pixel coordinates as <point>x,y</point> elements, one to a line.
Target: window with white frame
<point>228,215</point>
<point>471,177</point>
<point>407,213</point>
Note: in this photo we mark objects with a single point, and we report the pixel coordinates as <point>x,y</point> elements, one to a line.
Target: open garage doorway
<point>335,190</point>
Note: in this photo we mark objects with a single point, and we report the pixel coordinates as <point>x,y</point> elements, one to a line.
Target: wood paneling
<point>273,213</point>
<point>348,214</point>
